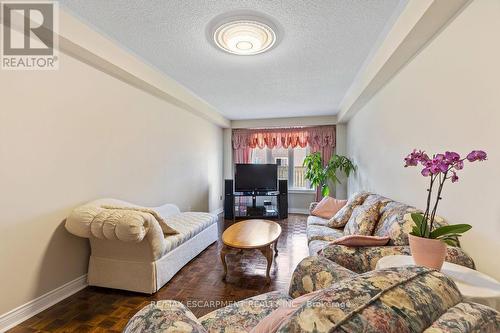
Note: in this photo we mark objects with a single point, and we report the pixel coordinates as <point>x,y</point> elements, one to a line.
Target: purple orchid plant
<point>439,169</point>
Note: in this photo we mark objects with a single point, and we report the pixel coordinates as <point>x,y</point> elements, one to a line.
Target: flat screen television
<point>256,177</point>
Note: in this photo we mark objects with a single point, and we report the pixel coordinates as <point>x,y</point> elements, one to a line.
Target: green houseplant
<point>428,241</point>
<point>319,175</point>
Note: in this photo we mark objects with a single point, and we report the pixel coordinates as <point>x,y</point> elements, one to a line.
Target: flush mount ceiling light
<point>244,37</point>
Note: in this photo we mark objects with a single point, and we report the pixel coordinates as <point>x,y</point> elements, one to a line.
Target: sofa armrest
<point>164,316</point>
<point>312,206</point>
<point>167,210</point>
<point>92,221</point>
<point>458,256</point>
<point>393,300</point>
<point>242,316</point>
<point>467,317</point>
<point>315,273</point>
<point>360,259</point>
<point>364,259</point>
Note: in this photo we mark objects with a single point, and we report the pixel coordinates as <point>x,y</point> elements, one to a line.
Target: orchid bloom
<point>439,168</point>
<point>476,155</point>
<point>450,161</point>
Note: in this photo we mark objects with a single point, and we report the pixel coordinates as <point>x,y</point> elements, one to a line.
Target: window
<point>279,156</point>
<point>289,162</point>
<point>299,181</point>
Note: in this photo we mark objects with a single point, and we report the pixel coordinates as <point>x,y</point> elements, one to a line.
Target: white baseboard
<point>28,310</point>
<point>298,211</point>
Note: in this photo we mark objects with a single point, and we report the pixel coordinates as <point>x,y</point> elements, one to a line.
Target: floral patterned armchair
<point>393,220</point>
<point>411,299</point>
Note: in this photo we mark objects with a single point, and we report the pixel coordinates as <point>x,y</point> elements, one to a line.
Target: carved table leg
<point>276,248</point>
<point>223,252</point>
<point>267,251</point>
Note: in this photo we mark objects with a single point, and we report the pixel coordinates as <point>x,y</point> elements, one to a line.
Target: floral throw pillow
<point>342,216</point>
<point>363,220</point>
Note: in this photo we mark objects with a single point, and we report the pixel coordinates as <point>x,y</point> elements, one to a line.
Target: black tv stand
<point>255,204</point>
<point>267,208</point>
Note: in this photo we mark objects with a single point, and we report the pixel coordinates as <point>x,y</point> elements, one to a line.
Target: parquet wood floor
<point>199,285</point>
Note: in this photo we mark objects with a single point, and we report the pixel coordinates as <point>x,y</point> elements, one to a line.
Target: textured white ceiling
<point>323,44</point>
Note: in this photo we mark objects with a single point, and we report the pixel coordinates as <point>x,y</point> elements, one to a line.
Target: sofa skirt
<point>148,277</point>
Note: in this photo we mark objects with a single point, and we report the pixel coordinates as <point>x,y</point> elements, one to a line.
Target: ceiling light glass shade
<point>244,37</point>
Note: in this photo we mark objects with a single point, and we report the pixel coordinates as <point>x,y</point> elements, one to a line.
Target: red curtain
<point>242,155</point>
<point>319,138</point>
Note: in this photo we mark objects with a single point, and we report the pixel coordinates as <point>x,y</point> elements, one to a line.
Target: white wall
<point>447,98</point>
<point>77,134</point>
<point>284,122</point>
<point>228,153</point>
<point>341,149</point>
<point>299,201</point>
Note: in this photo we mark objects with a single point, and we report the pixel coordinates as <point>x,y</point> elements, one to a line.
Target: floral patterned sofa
<point>368,213</point>
<point>395,300</point>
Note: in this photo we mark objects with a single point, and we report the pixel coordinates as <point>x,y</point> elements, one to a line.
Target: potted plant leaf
<point>320,175</point>
<point>428,242</point>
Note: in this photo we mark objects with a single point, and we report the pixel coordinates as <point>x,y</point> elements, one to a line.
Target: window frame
<point>291,166</point>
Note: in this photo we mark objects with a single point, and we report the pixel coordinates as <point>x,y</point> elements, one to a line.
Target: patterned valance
<point>316,137</point>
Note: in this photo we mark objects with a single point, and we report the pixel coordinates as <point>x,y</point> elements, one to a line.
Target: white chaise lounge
<point>133,253</point>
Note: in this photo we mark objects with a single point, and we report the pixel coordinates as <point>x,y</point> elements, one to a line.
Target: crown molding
<point>415,27</point>
<point>79,41</point>
<point>284,122</point>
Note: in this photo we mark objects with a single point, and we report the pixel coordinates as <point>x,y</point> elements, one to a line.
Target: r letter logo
<point>29,35</point>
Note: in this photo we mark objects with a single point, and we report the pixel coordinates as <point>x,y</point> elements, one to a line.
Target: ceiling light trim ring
<point>252,37</point>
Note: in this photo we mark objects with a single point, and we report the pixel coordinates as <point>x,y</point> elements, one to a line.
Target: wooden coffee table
<point>252,234</point>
